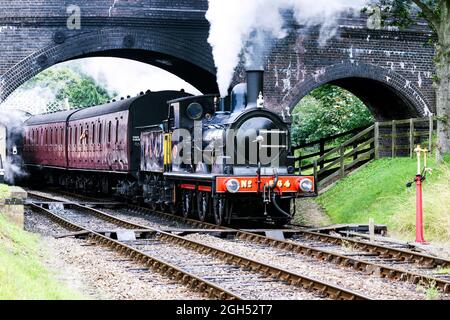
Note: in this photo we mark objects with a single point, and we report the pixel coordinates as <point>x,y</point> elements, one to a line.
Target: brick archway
<point>182,57</point>
<point>386,93</point>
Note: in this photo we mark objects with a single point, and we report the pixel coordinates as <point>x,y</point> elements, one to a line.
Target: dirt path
<point>311,214</point>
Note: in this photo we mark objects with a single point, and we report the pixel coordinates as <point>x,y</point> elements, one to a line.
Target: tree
<point>327,111</point>
<point>437,14</point>
<point>76,89</point>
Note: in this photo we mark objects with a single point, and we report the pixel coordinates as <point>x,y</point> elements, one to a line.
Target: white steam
<point>11,122</point>
<point>247,25</point>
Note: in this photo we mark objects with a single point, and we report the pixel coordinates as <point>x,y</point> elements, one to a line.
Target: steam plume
<point>13,120</point>
<point>251,25</point>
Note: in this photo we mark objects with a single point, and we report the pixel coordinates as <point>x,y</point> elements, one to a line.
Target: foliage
<point>74,88</point>
<point>378,191</point>
<point>401,13</point>
<point>22,274</point>
<point>436,13</point>
<point>4,191</point>
<point>327,111</point>
<point>429,289</point>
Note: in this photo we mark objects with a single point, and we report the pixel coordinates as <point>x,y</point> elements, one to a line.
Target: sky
<point>129,77</point>
<point>126,77</point>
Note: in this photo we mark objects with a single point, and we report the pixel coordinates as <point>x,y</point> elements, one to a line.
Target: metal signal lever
<point>418,180</point>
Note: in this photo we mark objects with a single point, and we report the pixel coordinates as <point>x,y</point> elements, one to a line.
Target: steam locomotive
<point>199,156</point>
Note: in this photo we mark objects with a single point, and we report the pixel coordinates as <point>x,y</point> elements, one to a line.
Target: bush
<point>327,111</point>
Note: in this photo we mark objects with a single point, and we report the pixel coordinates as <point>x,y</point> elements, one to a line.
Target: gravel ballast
<point>98,272</point>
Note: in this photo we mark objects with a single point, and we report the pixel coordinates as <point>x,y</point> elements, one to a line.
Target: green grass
<point>378,191</point>
<point>4,191</point>
<point>22,273</point>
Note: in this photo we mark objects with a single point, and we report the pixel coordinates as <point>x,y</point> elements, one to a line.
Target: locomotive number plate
<point>287,184</point>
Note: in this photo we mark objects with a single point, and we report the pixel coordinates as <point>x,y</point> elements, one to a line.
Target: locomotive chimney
<point>255,86</point>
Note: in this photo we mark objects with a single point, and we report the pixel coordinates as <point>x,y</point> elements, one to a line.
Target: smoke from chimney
<point>252,26</point>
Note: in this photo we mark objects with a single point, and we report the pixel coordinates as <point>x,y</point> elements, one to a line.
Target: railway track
<point>239,276</point>
<point>153,263</point>
<point>385,261</point>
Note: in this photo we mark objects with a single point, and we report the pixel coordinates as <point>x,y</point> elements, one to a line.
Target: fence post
<point>322,152</point>
<point>342,151</point>
<point>430,134</point>
<point>315,171</point>
<point>377,140</point>
<point>411,138</point>
<point>394,137</point>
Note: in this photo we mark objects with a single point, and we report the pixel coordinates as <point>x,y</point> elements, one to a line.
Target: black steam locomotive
<point>200,156</point>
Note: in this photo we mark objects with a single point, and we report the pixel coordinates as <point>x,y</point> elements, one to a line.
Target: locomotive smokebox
<point>255,86</point>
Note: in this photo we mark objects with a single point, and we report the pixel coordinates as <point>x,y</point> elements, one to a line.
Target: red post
<point>419,210</point>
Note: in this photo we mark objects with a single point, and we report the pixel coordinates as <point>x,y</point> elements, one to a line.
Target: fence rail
<point>330,159</point>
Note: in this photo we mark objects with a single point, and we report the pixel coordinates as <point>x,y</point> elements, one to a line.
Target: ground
<point>309,213</point>
<point>31,280</point>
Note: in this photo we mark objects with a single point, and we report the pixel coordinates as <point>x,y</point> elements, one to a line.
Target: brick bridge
<point>390,70</point>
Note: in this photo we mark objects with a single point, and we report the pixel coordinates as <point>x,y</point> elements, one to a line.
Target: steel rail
<point>295,279</point>
<point>158,265</point>
<point>325,255</point>
<point>192,222</point>
<point>384,251</point>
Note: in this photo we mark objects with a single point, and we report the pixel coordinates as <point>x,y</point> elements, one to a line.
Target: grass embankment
<point>378,191</point>
<point>22,273</point>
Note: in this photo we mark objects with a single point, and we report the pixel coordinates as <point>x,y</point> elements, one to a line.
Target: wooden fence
<point>330,159</point>
<point>399,138</point>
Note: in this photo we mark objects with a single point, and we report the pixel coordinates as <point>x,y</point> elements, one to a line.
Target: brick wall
<point>390,70</point>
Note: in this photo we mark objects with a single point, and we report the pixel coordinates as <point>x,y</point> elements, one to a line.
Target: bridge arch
<point>184,58</point>
<point>386,93</point>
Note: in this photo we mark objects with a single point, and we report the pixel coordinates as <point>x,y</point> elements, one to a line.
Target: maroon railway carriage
<point>45,140</point>
<point>75,148</point>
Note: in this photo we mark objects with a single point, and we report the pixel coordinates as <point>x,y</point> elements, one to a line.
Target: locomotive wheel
<point>203,200</point>
<point>187,203</point>
<point>219,205</point>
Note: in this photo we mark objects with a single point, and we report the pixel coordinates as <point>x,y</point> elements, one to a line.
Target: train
<point>203,157</point>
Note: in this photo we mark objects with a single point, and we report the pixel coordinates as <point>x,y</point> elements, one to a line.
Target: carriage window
<point>93,133</point>
<point>75,136</point>
<point>117,131</point>
<point>109,132</point>
<point>70,135</point>
<point>62,135</point>
<point>100,133</point>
